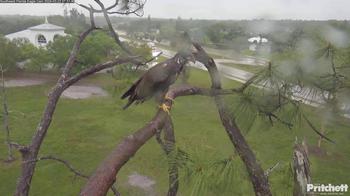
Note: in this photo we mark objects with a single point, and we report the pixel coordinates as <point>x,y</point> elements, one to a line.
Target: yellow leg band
<point>165,108</point>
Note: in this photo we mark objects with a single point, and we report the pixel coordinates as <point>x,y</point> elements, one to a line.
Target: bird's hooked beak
<point>192,58</point>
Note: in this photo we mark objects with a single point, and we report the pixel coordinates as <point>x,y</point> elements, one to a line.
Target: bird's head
<point>184,56</point>
<point>185,48</point>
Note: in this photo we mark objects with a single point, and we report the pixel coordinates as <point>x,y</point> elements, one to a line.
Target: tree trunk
<point>30,154</point>
<point>169,147</point>
<point>301,169</point>
<point>256,173</point>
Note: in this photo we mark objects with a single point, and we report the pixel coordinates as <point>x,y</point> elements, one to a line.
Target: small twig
<point>19,147</point>
<point>72,169</point>
<point>140,4</point>
<point>248,83</point>
<point>159,140</point>
<point>272,115</point>
<point>99,11</point>
<point>64,162</point>
<point>148,61</point>
<point>296,104</point>
<point>268,171</point>
<point>115,190</point>
<point>111,29</point>
<point>6,117</point>
<point>316,131</point>
<point>130,11</point>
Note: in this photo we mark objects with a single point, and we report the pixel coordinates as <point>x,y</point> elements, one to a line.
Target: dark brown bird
<point>156,80</point>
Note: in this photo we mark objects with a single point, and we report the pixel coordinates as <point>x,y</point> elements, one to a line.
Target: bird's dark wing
<point>158,73</point>
<point>143,87</point>
<point>131,93</point>
<point>131,90</point>
<point>157,78</point>
<point>152,79</point>
<point>153,75</point>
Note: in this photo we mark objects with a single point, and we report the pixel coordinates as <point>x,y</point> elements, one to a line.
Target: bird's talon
<point>165,108</point>
<point>168,98</point>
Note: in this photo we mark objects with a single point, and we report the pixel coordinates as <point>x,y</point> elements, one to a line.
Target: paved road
<point>306,95</point>
<point>227,71</point>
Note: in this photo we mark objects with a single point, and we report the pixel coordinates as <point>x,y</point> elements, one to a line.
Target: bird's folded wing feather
<point>158,73</point>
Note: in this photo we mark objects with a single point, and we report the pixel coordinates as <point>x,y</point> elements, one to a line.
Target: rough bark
<point>301,169</point>
<point>105,175</point>
<point>31,151</point>
<point>168,145</point>
<point>255,171</point>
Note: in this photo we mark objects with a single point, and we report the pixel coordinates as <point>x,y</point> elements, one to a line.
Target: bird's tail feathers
<point>128,104</point>
<point>130,90</point>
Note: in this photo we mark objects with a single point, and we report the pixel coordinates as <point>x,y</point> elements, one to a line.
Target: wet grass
<point>85,131</point>
<point>248,68</point>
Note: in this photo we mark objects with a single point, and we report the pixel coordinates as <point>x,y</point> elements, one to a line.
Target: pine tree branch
<point>62,161</point>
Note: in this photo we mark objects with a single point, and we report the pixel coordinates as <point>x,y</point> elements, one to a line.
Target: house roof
<point>258,39</point>
<point>46,27</point>
<point>23,33</point>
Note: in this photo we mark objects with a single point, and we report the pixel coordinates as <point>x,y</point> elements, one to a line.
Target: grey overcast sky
<point>214,9</point>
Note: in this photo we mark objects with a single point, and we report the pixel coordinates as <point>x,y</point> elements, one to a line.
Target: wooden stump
<point>301,170</point>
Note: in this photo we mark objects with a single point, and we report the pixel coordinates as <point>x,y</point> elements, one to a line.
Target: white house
<point>39,35</point>
<point>255,41</point>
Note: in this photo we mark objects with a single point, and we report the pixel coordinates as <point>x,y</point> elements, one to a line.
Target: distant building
<point>256,41</point>
<point>39,35</point>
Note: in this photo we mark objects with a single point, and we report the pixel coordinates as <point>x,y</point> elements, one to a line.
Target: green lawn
<point>248,68</point>
<point>85,131</point>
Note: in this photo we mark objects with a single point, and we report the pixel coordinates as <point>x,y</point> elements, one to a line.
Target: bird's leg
<point>166,97</point>
<point>165,108</point>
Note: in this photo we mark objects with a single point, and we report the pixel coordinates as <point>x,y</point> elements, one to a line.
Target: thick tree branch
<point>105,174</point>
<point>96,68</point>
<point>256,173</point>
<point>31,152</point>
<point>168,145</point>
<point>74,53</point>
<point>103,178</point>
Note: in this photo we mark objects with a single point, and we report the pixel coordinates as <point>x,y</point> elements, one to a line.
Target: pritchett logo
<point>329,189</point>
